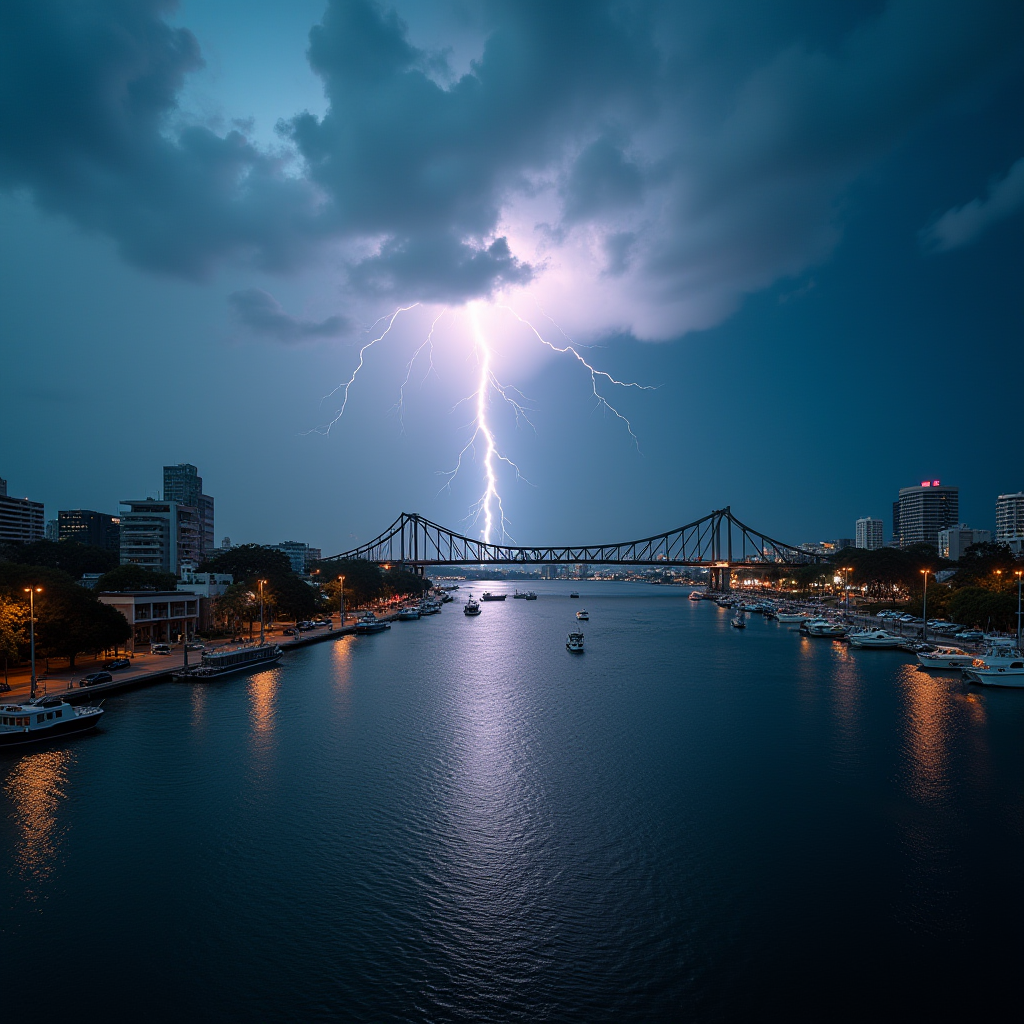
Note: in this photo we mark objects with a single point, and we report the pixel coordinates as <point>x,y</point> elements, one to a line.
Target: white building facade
<point>955,540</point>
<point>869,534</point>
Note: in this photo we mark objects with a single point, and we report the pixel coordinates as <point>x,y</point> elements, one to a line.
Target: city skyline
<point>880,307</point>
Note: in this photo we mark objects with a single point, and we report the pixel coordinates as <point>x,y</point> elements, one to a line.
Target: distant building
<point>159,535</point>
<point>88,527</point>
<point>52,531</point>
<point>205,584</point>
<point>844,542</point>
<point>870,534</point>
<point>955,540</point>
<point>921,511</point>
<point>1010,521</point>
<point>299,554</point>
<point>183,484</point>
<point>156,616</point>
<point>21,520</point>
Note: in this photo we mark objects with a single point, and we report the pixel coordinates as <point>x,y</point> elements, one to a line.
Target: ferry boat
<point>488,596</point>
<point>472,608</point>
<point>369,623</point>
<point>42,719</point>
<point>574,643</point>
<point>877,638</point>
<point>695,596</point>
<point>215,664</point>
<point>583,615</point>
<point>574,593</point>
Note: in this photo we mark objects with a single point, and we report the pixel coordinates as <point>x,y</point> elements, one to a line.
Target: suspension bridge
<point>718,542</point>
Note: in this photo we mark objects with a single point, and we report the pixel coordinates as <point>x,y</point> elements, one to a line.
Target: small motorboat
<point>944,657</point>
<point>695,595</point>
<point>43,718</point>
<point>408,614</point>
<point>369,623</point>
<point>574,593</point>
<point>997,675</point>
<point>824,628</point>
<point>531,596</point>
<point>739,622</point>
<point>574,643</point>
<point>472,608</point>
<point>881,639</point>
<point>583,615</point>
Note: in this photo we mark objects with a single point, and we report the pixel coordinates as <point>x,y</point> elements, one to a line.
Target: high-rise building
<point>160,535</point>
<point>21,520</point>
<point>955,540</point>
<point>1009,517</point>
<point>52,530</point>
<point>88,527</point>
<point>870,534</point>
<point>183,484</point>
<point>299,554</point>
<point>921,511</point>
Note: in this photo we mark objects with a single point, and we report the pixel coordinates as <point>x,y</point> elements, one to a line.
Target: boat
<point>583,615</point>
<point>472,608</point>
<point>695,596</point>
<point>825,628</point>
<point>738,622</point>
<point>997,675</point>
<point>408,614</point>
<point>574,593</point>
<point>944,657</point>
<point>877,638</point>
<point>792,616</point>
<point>369,623</point>
<point>531,595</point>
<point>519,596</point>
<point>488,596</point>
<point>996,656</point>
<point>215,664</point>
<point>429,607</point>
<point>44,718</point>
<point>574,643</point>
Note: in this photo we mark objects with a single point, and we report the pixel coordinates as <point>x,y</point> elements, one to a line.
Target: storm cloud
<point>654,161</point>
<point>261,313</point>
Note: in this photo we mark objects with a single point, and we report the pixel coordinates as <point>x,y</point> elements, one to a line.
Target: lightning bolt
<point>325,430</point>
<point>427,343</point>
<point>490,500</point>
<point>594,372</point>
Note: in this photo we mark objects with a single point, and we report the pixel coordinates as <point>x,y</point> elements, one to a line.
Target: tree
<point>985,565</point>
<point>363,580</point>
<point>397,582</point>
<point>236,605</point>
<point>12,630</point>
<point>249,562</point>
<point>134,577</point>
<point>981,606</point>
<point>68,555</point>
<point>292,597</point>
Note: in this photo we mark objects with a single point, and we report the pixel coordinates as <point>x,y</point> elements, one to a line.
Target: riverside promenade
<point>147,669</point>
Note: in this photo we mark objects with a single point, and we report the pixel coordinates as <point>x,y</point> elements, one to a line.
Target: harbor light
<point>32,591</point>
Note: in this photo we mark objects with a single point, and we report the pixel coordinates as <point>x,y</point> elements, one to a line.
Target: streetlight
<point>924,609</point>
<point>261,582</point>
<point>1018,573</point>
<point>847,569</point>
<point>32,591</point>
<point>341,600</point>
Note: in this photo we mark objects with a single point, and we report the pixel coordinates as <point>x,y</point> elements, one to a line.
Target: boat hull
<point>1012,678</point>
<point>205,677</point>
<point>67,727</point>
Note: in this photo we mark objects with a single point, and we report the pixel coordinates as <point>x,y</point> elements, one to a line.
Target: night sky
<point>798,223</point>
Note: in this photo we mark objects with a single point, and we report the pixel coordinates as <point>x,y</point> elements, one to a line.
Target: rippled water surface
<point>459,820</point>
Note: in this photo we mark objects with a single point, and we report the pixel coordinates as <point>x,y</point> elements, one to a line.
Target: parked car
<point>118,663</point>
<point>290,631</point>
<point>304,627</point>
<point>159,649</point>
<point>195,647</point>
<point>94,678</point>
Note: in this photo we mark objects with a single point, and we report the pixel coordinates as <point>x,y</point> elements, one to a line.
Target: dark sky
<point>798,224</point>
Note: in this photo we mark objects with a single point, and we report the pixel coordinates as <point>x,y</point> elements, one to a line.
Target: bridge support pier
<point>721,579</point>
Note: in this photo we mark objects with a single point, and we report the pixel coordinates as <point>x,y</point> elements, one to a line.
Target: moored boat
<point>369,623</point>
<point>944,657</point>
<point>997,675</point>
<point>215,664</point>
<point>408,614</point>
<point>42,719</point>
<point>824,628</point>
<point>876,638</point>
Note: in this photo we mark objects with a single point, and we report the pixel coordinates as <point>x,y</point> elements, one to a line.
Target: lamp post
<point>32,591</point>
<point>341,598</point>
<point>847,569</point>
<point>924,609</point>
<point>261,582</point>
<point>1019,573</point>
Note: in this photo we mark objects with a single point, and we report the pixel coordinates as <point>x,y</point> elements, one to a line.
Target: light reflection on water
<point>35,788</point>
<point>927,729</point>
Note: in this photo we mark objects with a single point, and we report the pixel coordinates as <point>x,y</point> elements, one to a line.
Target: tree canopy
<point>130,577</point>
<point>249,562</point>
<point>68,555</point>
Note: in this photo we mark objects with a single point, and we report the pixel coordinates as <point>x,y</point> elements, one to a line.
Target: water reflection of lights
<point>198,700</point>
<point>35,789</point>
<point>846,695</point>
<point>262,697</point>
<point>928,728</point>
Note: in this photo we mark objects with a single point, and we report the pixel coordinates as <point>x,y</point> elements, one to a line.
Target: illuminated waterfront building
<point>921,511</point>
<point>1010,521</point>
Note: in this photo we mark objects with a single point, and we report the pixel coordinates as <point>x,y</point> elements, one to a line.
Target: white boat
<point>879,638</point>
<point>944,657</point>
<point>695,595</point>
<point>42,719</point>
<point>792,616</point>
<point>825,628</point>
<point>997,675</point>
<point>472,608</point>
<point>583,615</point>
<point>996,656</point>
<point>409,614</point>
<point>369,623</point>
<point>215,664</point>
<point>574,643</point>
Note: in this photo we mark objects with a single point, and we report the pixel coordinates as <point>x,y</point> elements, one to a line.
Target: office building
<point>21,520</point>
<point>156,616</point>
<point>159,535</point>
<point>921,511</point>
<point>299,555</point>
<point>870,534</point>
<point>88,527</point>
<point>183,484</point>
<point>52,530</point>
<point>955,540</point>
<point>1010,518</point>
